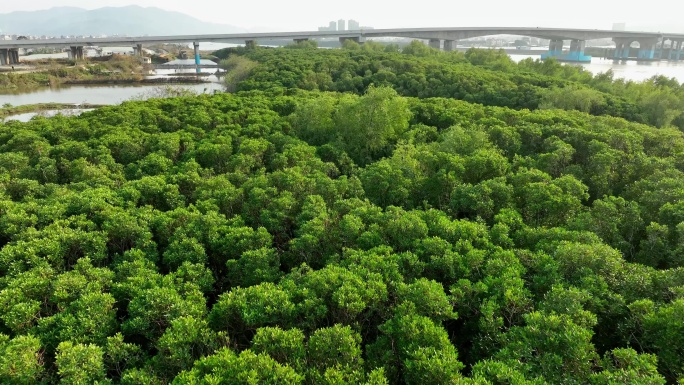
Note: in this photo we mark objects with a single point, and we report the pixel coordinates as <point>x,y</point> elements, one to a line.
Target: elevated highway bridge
<point>651,44</point>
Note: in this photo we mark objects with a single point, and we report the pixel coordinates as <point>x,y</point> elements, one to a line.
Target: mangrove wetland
<point>363,215</point>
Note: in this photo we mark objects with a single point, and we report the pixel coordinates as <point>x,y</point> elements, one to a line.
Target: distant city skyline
<point>309,15</point>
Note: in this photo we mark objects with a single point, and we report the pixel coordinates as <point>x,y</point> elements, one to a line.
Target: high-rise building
<point>341,25</point>
<point>353,25</point>
<point>332,26</point>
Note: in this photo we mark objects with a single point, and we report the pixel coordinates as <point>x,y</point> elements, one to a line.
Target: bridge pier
<point>4,56</point>
<point>576,53</point>
<point>249,44</point>
<point>76,53</point>
<point>449,45</point>
<point>622,48</point>
<point>435,43</point>
<point>671,51</point>
<point>678,50</point>
<point>555,49</point>
<point>660,52</point>
<point>195,45</point>
<point>297,41</point>
<point>138,50</point>
<point>647,49</point>
<point>13,56</point>
<point>356,39</point>
<point>617,54</point>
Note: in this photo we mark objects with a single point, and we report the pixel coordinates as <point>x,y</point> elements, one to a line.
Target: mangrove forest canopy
<point>354,216</point>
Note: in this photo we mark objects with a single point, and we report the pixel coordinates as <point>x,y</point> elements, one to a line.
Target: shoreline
<point>104,82</point>
<point>29,108</point>
<point>175,80</point>
<point>98,74</point>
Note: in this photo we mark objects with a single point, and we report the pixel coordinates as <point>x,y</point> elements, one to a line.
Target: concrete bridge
<point>441,38</point>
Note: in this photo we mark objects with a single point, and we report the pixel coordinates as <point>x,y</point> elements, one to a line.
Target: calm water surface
<point>631,70</point>
<point>28,116</point>
<point>110,94</point>
<point>96,94</point>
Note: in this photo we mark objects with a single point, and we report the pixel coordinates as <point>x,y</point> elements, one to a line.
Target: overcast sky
<point>287,15</point>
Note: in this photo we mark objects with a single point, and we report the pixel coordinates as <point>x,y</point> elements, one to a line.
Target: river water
<point>29,115</point>
<point>115,94</point>
<point>631,70</point>
<point>107,94</point>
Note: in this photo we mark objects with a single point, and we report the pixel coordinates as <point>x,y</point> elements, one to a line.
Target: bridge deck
<point>458,33</point>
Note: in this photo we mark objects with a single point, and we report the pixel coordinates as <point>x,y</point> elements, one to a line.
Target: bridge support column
<point>555,49</point>
<point>4,60</point>
<point>356,39</point>
<point>647,49</point>
<point>197,57</point>
<point>678,50</point>
<point>13,56</point>
<point>249,44</point>
<point>435,43</point>
<point>622,48</point>
<point>576,53</point>
<point>76,53</point>
<point>138,50</point>
<point>449,45</point>
<point>617,54</point>
<point>660,52</point>
<point>674,49</point>
<point>297,41</point>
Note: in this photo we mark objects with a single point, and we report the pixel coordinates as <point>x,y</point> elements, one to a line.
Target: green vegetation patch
<point>8,109</point>
<point>286,235</point>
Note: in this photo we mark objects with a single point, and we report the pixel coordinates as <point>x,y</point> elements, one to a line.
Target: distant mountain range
<point>130,20</point>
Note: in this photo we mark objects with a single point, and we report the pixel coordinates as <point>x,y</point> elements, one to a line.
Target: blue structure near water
<point>576,56</point>
<point>576,53</point>
<point>197,57</point>
<point>647,54</point>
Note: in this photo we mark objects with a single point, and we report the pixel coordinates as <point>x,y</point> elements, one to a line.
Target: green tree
<point>287,347</point>
<point>79,363</point>
<point>335,352</point>
<point>550,347</point>
<point>186,340</point>
<point>21,360</point>
<point>226,367</point>
<point>367,125</point>
<point>312,120</point>
<point>623,366</point>
<point>662,332</point>
<point>238,68</point>
<point>413,349</point>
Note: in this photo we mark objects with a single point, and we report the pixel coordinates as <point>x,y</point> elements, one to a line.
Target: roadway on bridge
<point>458,33</point>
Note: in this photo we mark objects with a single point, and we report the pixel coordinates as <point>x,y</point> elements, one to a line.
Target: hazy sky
<point>309,14</point>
